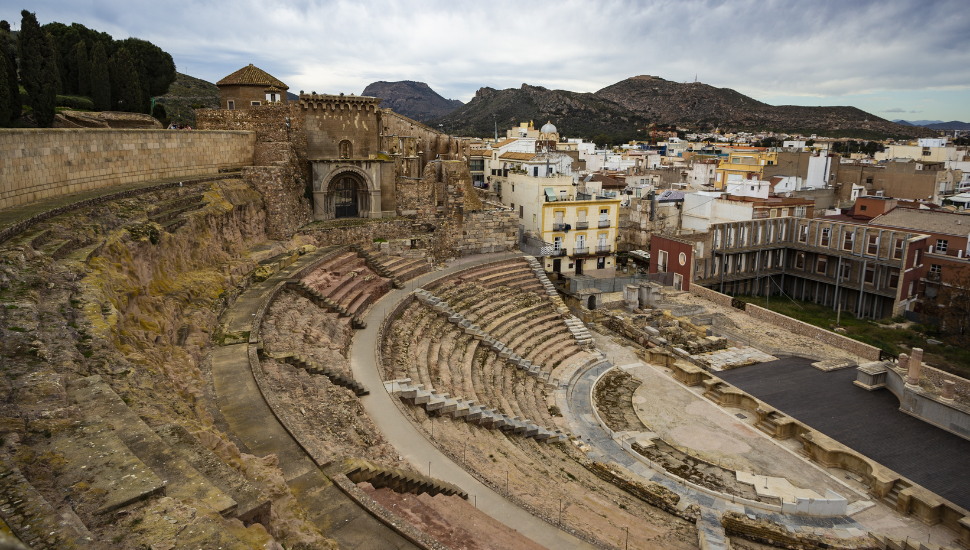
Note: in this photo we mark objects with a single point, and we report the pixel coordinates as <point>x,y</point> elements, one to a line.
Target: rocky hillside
<point>185,95</point>
<point>412,99</point>
<point>632,104</point>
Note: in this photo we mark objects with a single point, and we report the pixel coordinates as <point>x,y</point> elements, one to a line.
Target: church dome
<point>548,128</point>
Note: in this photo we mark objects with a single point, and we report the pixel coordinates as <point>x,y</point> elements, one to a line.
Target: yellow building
<point>582,230</point>
<point>741,163</point>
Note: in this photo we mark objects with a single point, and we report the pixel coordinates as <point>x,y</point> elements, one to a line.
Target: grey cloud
<point>895,110</point>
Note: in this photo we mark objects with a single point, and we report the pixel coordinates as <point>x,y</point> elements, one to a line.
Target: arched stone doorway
<point>345,200</point>
<point>347,196</point>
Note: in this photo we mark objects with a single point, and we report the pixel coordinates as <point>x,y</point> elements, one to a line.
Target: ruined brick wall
<point>282,194</point>
<point>415,197</point>
<point>804,329</point>
<point>280,149</point>
<point>37,164</point>
<point>430,144</point>
<point>936,376</point>
<point>487,231</point>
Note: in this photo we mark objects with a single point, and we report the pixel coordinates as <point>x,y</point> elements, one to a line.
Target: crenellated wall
<point>37,164</point>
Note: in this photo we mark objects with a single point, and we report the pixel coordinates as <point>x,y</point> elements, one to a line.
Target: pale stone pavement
<point>685,418</point>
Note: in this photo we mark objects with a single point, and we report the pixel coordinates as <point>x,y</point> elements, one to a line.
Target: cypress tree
<point>100,81</point>
<point>8,54</point>
<point>83,65</point>
<point>4,93</point>
<point>126,89</point>
<point>38,69</point>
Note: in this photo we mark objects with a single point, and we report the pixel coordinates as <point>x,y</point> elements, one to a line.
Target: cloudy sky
<point>902,59</point>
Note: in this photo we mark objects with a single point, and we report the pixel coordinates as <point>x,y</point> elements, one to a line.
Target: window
<point>513,188</point>
<point>752,188</point>
<point>800,260</point>
<point>870,273</point>
<point>521,211</point>
<point>822,265</point>
<point>662,262</point>
<point>346,149</point>
<point>941,245</point>
<point>824,241</point>
<point>873,246</point>
<point>800,211</point>
<point>773,213</point>
<point>254,103</point>
<point>862,208</point>
<point>936,269</point>
<point>847,270</point>
<point>784,212</point>
<point>231,104</point>
<point>847,241</point>
<point>803,234</point>
<point>601,262</point>
<point>898,249</point>
<point>893,278</point>
<point>557,243</point>
<point>869,181</point>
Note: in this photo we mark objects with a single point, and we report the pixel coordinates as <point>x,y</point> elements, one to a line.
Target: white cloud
<point>818,49</point>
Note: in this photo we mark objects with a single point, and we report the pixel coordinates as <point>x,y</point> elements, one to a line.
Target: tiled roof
<point>251,75</point>
<point>669,195</point>
<point>506,142</point>
<point>927,221</point>
<point>517,156</point>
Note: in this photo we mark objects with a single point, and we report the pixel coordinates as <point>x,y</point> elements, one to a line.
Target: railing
<point>556,252</point>
<point>604,223</point>
<point>580,250</point>
<point>600,249</point>
<point>560,226</point>
<point>616,284</point>
<point>582,225</point>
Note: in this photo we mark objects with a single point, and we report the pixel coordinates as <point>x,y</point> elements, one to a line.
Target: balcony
<point>560,227</point>
<point>581,251</point>
<point>557,252</point>
<point>603,249</point>
<point>604,223</point>
<point>582,225</point>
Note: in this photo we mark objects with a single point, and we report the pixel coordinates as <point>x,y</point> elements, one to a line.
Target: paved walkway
<point>252,421</point>
<point>869,422</point>
<point>412,444</point>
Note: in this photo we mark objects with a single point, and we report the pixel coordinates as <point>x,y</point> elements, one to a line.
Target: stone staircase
<point>169,214</point>
<point>322,301</point>
<point>579,330</point>
<point>31,517</point>
<point>505,353</point>
<point>312,367</point>
<point>376,266</point>
<point>710,532</point>
<point>128,461</point>
<point>359,471</point>
<point>405,269</point>
<point>442,403</point>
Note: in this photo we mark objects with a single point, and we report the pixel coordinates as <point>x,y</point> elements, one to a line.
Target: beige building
<point>251,87</point>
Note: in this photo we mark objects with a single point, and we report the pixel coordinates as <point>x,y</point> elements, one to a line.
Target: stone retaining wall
<point>37,164</point>
<point>775,534</point>
<point>856,347</point>
<point>711,295</point>
<point>936,376</point>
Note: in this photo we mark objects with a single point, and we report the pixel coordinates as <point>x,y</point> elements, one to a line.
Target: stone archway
<point>347,196</point>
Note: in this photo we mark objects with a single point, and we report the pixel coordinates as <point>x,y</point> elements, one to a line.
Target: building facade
<point>250,87</point>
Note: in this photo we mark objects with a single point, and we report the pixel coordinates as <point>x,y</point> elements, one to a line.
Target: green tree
<point>38,69</point>
<point>83,64</point>
<point>4,94</point>
<point>8,56</point>
<point>100,80</point>
<point>156,69</point>
<point>126,92</point>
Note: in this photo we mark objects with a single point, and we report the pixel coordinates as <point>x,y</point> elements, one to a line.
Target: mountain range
<point>627,109</point>
<point>412,99</point>
<point>936,124</point>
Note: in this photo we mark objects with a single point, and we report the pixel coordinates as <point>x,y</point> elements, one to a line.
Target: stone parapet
<point>46,163</point>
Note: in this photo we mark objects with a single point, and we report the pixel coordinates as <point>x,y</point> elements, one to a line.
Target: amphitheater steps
<point>312,367</point>
<point>360,471</point>
<point>34,521</point>
<point>58,249</point>
<point>431,400</point>
<point>376,266</point>
<point>252,507</point>
<point>169,211</point>
<point>182,481</point>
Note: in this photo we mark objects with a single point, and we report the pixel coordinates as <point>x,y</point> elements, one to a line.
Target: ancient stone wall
<point>936,376</point>
<point>286,210</point>
<point>793,325</point>
<point>41,164</point>
<point>711,295</point>
<point>487,231</point>
<point>415,197</point>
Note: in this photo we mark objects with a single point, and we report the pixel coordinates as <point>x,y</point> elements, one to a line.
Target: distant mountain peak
<point>412,99</point>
